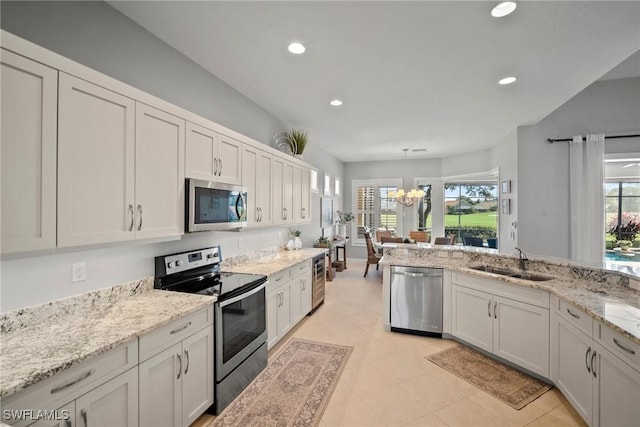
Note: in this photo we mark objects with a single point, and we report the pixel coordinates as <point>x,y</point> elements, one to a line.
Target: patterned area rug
<point>293,390</point>
<point>501,381</point>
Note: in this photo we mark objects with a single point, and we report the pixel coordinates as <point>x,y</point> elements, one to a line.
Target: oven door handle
<point>243,296</point>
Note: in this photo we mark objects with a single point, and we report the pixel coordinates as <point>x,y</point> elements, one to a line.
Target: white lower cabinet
<point>300,291</point>
<point>602,387</point>
<point>114,403</point>
<point>495,323</point>
<point>62,417</point>
<point>176,384</point>
<point>279,320</point>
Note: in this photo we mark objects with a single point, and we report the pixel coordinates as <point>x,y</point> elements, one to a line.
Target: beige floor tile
<point>364,377</point>
<point>549,401</point>
<point>458,384</point>
<point>567,414</point>
<point>433,393</point>
<point>466,413</point>
<point>548,420</point>
<point>430,420</point>
<point>354,412</point>
<point>393,405</point>
<point>512,417</point>
<point>401,367</point>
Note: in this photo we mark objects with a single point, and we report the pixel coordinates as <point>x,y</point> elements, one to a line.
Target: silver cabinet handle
<point>220,163</point>
<point>76,381</point>
<point>257,214</point>
<point>628,350</point>
<point>304,213</point>
<point>495,310</point>
<point>593,368</point>
<point>215,166</point>
<point>489,308</point>
<point>573,314</point>
<point>140,213</point>
<point>260,214</point>
<point>83,412</point>
<point>180,367</point>
<point>586,359</point>
<point>175,331</point>
<point>131,213</point>
<point>186,353</point>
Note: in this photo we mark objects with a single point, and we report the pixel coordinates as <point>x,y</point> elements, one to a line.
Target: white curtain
<point>586,198</point>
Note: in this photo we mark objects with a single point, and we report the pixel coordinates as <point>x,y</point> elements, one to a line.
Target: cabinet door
<point>273,306</point>
<point>201,149</point>
<point>249,181</point>
<point>95,164</point>
<point>114,403</point>
<point>287,192</point>
<point>277,189</point>
<point>571,351</point>
<point>197,377</point>
<point>617,391</point>
<point>529,349</point>
<point>161,389</point>
<point>66,417</point>
<point>159,173</point>
<point>28,154</point>
<point>229,160</point>
<point>285,320</point>
<point>472,314</point>
<point>296,299</point>
<point>297,212</point>
<point>263,187</point>
<point>305,297</point>
<point>305,195</point>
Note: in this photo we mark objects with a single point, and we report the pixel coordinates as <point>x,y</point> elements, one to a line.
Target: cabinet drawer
<point>619,345</point>
<point>301,268</point>
<point>575,316</point>
<point>156,341</point>
<point>67,385</point>
<point>279,278</point>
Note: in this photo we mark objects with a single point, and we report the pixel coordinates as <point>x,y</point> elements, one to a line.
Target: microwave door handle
<point>244,203</point>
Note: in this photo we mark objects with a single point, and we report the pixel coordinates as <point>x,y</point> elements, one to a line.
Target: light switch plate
<point>78,272</point>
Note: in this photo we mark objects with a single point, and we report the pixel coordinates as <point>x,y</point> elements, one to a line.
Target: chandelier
<point>407,198</point>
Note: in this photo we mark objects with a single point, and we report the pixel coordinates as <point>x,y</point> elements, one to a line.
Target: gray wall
<point>609,107</point>
<point>96,35</point>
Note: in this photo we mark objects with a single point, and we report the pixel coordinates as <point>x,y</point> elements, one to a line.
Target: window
<point>373,208</point>
<point>471,210</point>
<point>622,206</point>
<point>314,181</point>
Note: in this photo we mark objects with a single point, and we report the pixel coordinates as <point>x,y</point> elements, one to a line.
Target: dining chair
<point>382,233</point>
<point>453,238</point>
<point>472,241</point>
<point>372,256</point>
<point>442,241</point>
<point>492,243</point>
<point>386,239</point>
<point>418,236</point>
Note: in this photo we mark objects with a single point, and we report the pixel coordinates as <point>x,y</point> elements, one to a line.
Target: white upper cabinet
<point>159,188</point>
<point>256,178</point>
<point>28,155</point>
<point>121,173</point>
<point>96,142</point>
<point>211,156</point>
<point>301,194</point>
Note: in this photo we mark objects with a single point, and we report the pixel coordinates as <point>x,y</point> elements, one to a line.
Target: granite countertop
<point>269,262</point>
<point>40,341</point>
<point>609,297</point>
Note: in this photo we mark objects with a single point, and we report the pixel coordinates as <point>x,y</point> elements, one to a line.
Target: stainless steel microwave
<point>214,206</point>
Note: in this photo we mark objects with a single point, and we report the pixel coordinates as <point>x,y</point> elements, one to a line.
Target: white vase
<point>297,243</point>
<point>290,245</point>
<point>342,231</point>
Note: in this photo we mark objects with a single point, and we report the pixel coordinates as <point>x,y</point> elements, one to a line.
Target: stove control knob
<point>170,264</point>
<point>178,263</point>
<point>211,255</point>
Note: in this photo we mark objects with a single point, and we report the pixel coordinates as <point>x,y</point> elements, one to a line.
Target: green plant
<point>323,242</point>
<point>294,233</point>
<point>298,139</point>
<point>344,217</point>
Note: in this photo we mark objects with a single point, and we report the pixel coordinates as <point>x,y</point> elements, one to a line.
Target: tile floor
<point>389,382</point>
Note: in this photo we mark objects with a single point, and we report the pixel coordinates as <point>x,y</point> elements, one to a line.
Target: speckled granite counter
<point>37,342</point>
<point>269,262</point>
<point>610,297</point>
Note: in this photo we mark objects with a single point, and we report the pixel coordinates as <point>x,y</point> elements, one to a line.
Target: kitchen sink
<point>515,274</point>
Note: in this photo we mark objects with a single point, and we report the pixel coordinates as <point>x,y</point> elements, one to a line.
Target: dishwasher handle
<point>407,273</point>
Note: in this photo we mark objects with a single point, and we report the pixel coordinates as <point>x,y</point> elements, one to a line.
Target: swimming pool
<point>622,256</point>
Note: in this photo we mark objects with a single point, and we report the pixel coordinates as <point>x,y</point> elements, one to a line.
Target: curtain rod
<point>552,140</point>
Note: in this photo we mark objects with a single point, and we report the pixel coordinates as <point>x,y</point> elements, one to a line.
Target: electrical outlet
<point>78,272</point>
<point>240,243</point>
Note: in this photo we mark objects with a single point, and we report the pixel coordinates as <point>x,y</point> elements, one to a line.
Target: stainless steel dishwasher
<point>416,300</point>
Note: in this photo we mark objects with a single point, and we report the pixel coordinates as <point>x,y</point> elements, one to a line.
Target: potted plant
<point>323,242</point>
<point>625,234</point>
<point>297,242</point>
<point>343,219</point>
<point>298,140</point>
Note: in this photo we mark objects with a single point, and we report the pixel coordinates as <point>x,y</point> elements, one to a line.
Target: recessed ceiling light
<point>503,9</point>
<point>507,80</point>
<point>336,102</point>
<point>296,48</point>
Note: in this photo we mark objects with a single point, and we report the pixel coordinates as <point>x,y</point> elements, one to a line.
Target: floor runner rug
<point>293,390</point>
<point>511,386</point>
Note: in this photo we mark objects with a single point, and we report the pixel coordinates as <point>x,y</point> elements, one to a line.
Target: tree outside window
<point>622,210</point>
<point>471,210</point>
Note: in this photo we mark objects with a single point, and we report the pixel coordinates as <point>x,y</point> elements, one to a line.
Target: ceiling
<point>418,75</point>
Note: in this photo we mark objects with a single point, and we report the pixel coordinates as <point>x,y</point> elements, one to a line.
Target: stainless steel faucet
<point>522,263</point>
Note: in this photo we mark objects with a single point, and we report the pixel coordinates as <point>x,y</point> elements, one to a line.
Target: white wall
<point>610,107</point>
<point>96,35</point>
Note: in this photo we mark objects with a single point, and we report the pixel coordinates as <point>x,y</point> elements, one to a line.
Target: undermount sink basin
<point>515,274</point>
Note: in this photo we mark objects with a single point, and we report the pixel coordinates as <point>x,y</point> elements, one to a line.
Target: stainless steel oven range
<point>240,322</point>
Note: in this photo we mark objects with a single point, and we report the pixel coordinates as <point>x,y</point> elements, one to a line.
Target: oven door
<point>215,206</point>
<point>241,327</point>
